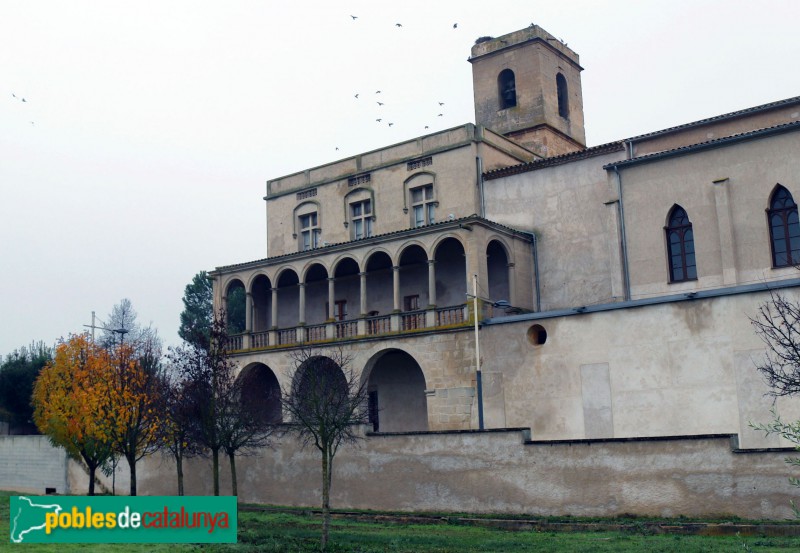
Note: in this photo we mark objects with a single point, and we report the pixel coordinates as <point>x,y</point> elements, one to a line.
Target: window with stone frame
<point>680,246</point>
<point>309,231</point>
<point>784,229</point>
<point>361,219</point>
<point>423,206</point>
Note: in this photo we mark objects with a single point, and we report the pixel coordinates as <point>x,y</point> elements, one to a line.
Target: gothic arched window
<point>507,89</point>
<point>784,229</point>
<point>563,97</point>
<point>680,246</point>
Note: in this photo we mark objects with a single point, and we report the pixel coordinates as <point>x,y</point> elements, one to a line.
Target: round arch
<point>235,305</point>
<point>261,393</point>
<point>396,387</point>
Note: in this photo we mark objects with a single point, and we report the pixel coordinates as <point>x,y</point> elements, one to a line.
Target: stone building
<point>615,281</point>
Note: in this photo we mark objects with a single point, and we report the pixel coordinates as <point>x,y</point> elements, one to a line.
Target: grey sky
<point>149,129</point>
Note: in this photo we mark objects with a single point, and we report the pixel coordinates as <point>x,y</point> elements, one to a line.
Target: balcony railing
<point>235,342</point>
<point>379,325</point>
<point>315,333</point>
<point>446,316</point>
<point>346,329</point>
<point>410,321</point>
<point>259,339</point>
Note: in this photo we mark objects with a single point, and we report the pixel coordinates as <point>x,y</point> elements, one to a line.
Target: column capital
<point>301,284</point>
<point>362,274</point>
<point>395,267</point>
<point>431,262</point>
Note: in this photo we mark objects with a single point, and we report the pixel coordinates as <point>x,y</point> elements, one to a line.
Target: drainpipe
<point>479,169</point>
<point>535,263</point>
<point>623,240</point>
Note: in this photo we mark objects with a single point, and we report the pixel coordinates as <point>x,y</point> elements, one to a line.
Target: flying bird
<point>379,120</point>
<point>440,115</point>
<point>354,17</point>
<point>441,103</point>
<point>377,92</point>
<point>337,148</point>
<point>356,96</point>
<point>426,126</point>
<point>455,25</point>
<point>380,103</point>
<point>390,124</point>
<point>398,25</point>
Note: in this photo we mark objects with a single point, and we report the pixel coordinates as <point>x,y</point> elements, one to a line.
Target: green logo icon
<point>160,519</point>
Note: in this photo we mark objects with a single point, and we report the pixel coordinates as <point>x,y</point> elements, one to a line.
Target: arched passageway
<point>396,388</point>
<point>261,392</point>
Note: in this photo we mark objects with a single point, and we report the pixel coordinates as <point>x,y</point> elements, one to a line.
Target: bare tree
<point>212,397</point>
<point>176,431</point>
<point>326,402</point>
<point>778,326</point>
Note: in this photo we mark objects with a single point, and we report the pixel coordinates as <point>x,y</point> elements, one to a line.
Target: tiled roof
<point>474,218</point>
<point>716,143</point>
<point>731,115</point>
<point>555,160</point>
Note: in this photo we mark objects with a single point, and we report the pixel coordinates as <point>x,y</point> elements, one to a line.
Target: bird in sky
<point>380,103</point>
<point>398,25</point>
<point>390,124</point>
<point>377,92</point>
<point>379,120</point>
<point>455,25</point>
<point>356,96</point>
<point>440,115</point>
<point>426,126</point>
<point>441,103</point>
<point>337,148</point>
<point>354,17</point>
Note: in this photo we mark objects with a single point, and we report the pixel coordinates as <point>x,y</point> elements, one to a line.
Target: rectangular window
<point>411,303</point>
<point>423,206</point>
<point>339,310</point>
<point>309,231</point>
<point>361,219</point>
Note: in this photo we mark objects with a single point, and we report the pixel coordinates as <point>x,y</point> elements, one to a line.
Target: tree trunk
<point>179,463</point>
<point>215,469</point>
<point>92,469</point>
<point>233,473</point>
<point>132,465</point>
<point>326,499</point>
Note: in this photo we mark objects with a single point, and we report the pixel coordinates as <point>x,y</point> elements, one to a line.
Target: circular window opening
<point>537,335</point>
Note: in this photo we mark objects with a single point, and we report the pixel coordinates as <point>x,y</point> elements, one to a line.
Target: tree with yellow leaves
<point>133,421</point>
<point>96,402</point>
<point>71,398</point>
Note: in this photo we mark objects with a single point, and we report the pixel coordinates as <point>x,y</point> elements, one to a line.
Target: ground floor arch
<point>261,392</point>
<point>396,389</point>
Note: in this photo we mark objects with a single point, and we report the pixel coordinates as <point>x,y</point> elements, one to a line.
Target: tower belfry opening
<point>527,86</point>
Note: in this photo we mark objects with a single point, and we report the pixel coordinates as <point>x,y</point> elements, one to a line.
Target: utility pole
<point>477,352</point>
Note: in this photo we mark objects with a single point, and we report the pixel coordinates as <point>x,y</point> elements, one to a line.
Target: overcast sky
<point>149,128</point>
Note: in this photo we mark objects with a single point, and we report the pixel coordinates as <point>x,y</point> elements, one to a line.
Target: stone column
<point>301,316</point>
<point>363,283</point>
<point>331,297</point>
<point>431,283</point>
<point>512,287</point>
<point>248,320</point>
<point>396,287</point>
<point>273,333</point>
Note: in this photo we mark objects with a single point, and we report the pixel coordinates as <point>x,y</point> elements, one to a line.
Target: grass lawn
<point>282,532</point>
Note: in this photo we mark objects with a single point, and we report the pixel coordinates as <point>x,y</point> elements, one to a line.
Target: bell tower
<point>527,86</point>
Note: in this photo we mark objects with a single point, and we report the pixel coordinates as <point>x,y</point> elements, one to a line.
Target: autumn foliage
<point>96,402</point>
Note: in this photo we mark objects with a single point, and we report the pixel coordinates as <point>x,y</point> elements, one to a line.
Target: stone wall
<point>29,464</point>
<point>499,472</point>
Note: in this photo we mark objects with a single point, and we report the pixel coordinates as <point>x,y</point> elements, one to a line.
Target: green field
<point>285,532</point>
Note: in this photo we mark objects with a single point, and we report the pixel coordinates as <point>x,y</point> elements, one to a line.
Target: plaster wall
<point>683,368</point>
<point>29,464</point>
<point>453,173</point>
<point>728,217</point>
<point>566,207</point>
<point>495,472</point>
